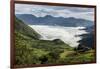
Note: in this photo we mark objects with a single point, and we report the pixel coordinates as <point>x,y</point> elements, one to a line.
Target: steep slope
<point>25,29</point>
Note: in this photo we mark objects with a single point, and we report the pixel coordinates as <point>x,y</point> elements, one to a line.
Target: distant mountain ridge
<point>50,20</point>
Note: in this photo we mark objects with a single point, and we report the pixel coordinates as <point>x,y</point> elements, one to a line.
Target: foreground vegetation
<point>31,50</point>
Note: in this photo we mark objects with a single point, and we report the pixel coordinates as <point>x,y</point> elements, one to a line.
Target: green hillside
<point>31,50</point>
<point>25,29</point>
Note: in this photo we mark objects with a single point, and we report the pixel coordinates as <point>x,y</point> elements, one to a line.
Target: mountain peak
<point>48,16</point>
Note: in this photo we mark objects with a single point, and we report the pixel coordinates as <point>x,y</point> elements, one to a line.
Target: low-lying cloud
<point>66,34</point>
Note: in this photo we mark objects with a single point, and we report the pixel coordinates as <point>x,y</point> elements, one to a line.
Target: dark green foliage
<point>77,57</point>
<point>87,42</point>
<point>25,29</point>
<point>31,50</point>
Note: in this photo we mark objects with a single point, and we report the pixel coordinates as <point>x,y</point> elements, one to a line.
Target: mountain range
<point>50,20</point>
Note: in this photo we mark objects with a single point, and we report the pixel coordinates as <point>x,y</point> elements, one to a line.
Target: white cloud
<point>66,34</point>
<point>56,11</point>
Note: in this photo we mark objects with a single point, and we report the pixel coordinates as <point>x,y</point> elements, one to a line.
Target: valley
<point>30,49</point>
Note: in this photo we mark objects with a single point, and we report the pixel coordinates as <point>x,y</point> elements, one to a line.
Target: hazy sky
<point>56,11</point>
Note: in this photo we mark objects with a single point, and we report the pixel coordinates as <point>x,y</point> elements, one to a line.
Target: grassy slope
<point>25,29</point>
<point>31,50</point>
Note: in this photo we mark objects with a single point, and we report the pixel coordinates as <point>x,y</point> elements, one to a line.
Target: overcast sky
<point>56,11</point>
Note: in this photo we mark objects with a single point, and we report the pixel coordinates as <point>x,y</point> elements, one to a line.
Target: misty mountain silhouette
<point>50,20</point>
